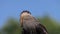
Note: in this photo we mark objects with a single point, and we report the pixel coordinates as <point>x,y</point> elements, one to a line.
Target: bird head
<point>25,13</point>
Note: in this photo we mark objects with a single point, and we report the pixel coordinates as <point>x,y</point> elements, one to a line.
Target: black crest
<point>25,11</point>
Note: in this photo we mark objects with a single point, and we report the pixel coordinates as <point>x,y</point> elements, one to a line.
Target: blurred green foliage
<point>13,26</point>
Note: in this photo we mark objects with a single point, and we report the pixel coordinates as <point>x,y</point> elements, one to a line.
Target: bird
<point>31,25</point>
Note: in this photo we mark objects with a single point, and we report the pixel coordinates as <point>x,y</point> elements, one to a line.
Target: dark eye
<point>29,12</point>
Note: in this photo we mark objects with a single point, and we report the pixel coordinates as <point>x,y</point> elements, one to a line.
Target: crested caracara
<point>31,25</point>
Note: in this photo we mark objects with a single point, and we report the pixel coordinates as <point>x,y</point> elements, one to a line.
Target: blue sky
<point>36,7</point>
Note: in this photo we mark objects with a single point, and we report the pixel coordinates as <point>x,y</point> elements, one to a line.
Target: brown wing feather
<point>41,29</point>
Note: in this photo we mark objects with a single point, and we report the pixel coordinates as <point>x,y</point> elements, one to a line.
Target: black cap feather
<point>25,11</point>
